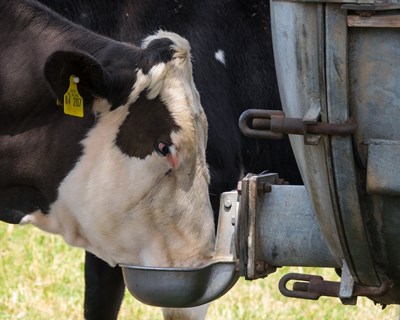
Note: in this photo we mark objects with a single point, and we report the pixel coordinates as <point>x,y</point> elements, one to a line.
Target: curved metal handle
<point>256,123</point>
<point>272,124</point>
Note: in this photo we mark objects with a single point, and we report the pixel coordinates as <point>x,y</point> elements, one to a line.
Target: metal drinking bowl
<point>180,287</point>
<point>190,287</point>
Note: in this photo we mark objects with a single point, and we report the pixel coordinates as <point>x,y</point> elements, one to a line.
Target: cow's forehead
<point>163,101</point>
<point>179,70</point>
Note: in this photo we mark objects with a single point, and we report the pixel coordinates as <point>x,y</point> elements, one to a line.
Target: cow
<point>103,142</point>
<point>233,70</point>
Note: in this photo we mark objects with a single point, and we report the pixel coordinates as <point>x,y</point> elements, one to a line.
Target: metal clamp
<point>312,287</point>
<point>272,124</point>
<point>251,189</point>
<point>256,123</point>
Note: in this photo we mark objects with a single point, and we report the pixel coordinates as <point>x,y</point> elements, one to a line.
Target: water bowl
<point>180,287</point>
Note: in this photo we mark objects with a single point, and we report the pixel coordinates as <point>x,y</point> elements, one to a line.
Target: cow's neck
<point>39,145</point>
<point>35,159</point>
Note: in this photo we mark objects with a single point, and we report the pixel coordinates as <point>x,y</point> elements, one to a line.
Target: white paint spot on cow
<point>220,56</point>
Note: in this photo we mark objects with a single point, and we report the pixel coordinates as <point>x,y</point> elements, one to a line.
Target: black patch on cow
<point>157,51</point>
<point>147,123</point>
<point>17,202</point>
<point>108,289</point>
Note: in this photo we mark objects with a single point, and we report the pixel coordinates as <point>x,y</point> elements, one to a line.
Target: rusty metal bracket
<point>272,124</point>
<point>312,287</point>
<point>252,188</point>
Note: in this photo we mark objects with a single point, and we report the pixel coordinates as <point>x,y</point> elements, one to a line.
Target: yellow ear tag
<point>73,102</point>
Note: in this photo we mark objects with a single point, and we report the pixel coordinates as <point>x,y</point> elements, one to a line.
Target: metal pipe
<point>287,231</point>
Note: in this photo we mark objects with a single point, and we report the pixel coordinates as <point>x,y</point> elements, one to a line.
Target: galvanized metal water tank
<point>338,60</point>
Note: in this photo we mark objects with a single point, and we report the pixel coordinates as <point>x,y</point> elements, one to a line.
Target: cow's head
<point>139,192</point>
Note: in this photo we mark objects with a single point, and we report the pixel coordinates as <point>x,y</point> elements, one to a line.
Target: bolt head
<point>227,204</point>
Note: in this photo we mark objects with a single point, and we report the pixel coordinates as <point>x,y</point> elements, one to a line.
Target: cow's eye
<point>163,148</point>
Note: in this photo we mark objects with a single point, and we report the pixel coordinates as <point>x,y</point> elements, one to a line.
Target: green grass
<point>42,278</point>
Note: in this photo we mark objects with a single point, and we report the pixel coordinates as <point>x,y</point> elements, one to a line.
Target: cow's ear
<point>61,65</point>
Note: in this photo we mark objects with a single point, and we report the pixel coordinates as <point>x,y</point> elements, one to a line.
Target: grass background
<point>42,278</point>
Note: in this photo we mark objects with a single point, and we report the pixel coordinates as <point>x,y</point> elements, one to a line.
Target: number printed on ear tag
<point>73,102</point>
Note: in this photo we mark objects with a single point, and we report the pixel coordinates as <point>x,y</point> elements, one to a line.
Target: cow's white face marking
<point>220,56</point>
<point>150,211</point>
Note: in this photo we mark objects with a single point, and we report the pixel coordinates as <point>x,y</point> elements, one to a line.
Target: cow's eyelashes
<point>163,148</point>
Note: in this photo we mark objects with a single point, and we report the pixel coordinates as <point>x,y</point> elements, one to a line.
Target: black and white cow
<point>233,71</point>
<point>120,169</point>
